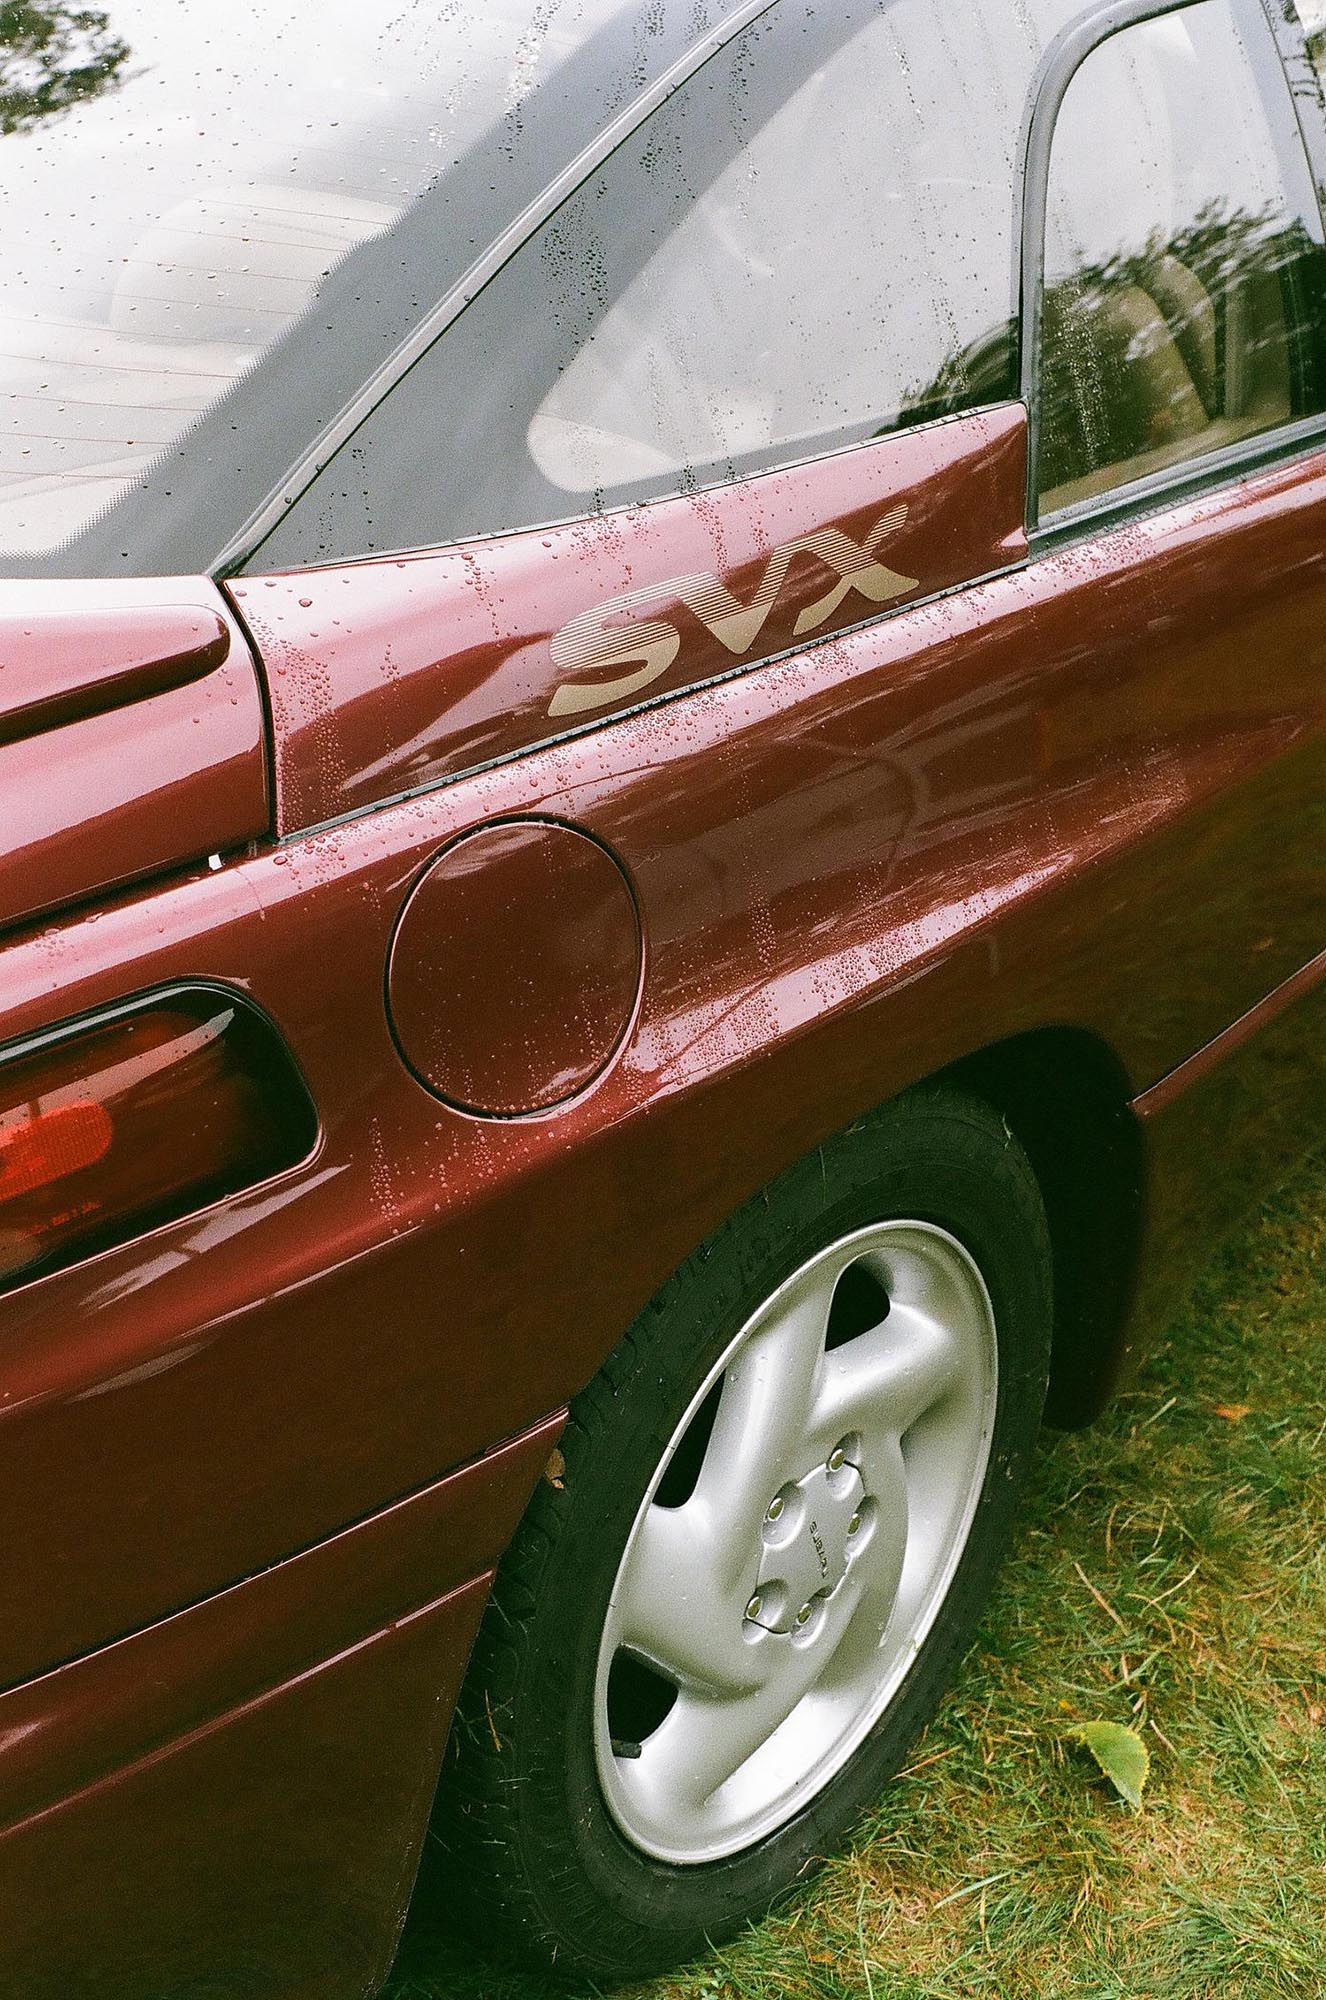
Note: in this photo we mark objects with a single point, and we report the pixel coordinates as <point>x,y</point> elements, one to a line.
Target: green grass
<point>1171,1573</point>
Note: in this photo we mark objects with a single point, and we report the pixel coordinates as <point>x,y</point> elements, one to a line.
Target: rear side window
<point>811,243</point>
<point>858,240</point>
<point>1182,305</point>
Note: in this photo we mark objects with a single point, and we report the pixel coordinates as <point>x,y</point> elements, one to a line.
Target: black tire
<point>535,1859</point>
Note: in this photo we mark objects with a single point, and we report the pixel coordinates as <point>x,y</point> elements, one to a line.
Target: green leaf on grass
<point>1121,1754</point>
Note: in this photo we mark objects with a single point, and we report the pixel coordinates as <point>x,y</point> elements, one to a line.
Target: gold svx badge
<point>598,640</point>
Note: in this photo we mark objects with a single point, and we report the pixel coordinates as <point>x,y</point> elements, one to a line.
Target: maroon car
<point>662,813</point>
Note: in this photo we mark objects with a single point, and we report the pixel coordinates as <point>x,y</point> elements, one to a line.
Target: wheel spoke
<point>875,1449</point>
<point>708,1736</point>
<point>759,1435</point>
<point>879,1569</point>
<point>881,1383</point>
<point>670,1609</point>
<point>705,1740</point>
<point>930,1529</point>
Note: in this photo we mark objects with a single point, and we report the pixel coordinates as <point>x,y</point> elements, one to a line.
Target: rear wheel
<point>785,1496</point>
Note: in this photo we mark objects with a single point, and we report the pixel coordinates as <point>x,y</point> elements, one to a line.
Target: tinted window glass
<point>772,316</point>
<point>1182,303</point>
<point>811,243</point>
<point>177,182</point>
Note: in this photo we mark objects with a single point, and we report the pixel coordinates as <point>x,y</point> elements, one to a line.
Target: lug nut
<point>837,1458</point>
<point>804,1614</point>
<point>775,1508</point>
<point>854,1525</point>
<point>754,1608</point>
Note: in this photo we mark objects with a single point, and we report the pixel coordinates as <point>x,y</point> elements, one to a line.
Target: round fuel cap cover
<point>514,971</point>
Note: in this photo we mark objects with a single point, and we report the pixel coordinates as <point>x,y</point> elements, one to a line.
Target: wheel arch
<point>1064,1096</point>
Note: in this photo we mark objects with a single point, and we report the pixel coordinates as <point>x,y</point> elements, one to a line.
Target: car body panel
<point>1084,812</point>
<point>269,1851</point>
<point>387,677</point>
<point>132,737</point>
<point>872,786</point>
<point>320,1692</point>
<point>515,968</point>
<point>173,1677</point>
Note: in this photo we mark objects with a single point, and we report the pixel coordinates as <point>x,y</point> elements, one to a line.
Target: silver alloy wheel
<point>782,1602</point>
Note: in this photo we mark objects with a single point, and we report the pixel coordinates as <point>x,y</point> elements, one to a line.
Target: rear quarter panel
<point>1071,794</point>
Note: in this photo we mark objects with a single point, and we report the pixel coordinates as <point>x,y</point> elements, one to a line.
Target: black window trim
<point>1060,63</point>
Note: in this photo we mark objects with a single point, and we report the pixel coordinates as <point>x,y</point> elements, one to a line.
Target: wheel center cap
<point>806,1549</point>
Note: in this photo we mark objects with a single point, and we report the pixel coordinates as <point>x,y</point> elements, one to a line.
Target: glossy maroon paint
<point>387,676</point>
<point>126,759</point>
<point>1068,797</point>
<point>515,968</point>
<point>325,1675</point>
<point>174,1676</point>
<point>63,665</point>
<point>258,1854</point>
<point>970,820</point>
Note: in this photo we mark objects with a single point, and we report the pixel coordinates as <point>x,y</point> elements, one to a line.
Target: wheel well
<point>1065,1098</point>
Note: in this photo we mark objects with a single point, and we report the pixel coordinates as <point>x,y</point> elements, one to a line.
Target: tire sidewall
<point>928,1159</point>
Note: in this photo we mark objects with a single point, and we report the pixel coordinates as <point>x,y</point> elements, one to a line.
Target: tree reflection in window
<point>1183,253</point>
<point>1192,344</point>
<point>54,56</point>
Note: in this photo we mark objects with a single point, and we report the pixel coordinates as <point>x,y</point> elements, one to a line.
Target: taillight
<point>113,1125</point>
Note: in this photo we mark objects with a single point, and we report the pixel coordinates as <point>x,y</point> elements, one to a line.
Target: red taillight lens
<point>112,1126</point>
<point>38,1147</point>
